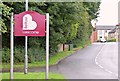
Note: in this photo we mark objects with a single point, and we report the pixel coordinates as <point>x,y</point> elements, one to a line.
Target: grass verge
<point>32,76</point>
<point>53,60</point>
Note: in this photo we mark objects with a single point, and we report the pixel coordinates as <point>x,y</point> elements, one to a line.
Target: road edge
<point>107,70</point>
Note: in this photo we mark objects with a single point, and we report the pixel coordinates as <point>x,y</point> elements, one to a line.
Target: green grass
<point>0,76</point>
<point>32,76</point>
<point>53,60</point>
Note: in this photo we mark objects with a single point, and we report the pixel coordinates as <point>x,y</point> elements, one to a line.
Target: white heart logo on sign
<point>28,23</point>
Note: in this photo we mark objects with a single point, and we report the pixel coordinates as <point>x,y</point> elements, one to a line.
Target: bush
<point>18,55</point>
<point>112,40</point>
<point>6,55</point>
<point>34,55</point>
<point>78,43</point>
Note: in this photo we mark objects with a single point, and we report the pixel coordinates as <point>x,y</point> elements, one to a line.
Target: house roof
<point>112,31</point>
<point>105,27</point>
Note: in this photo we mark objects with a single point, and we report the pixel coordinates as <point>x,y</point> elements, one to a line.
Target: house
<point>103,31</point>
<point>112,34</point>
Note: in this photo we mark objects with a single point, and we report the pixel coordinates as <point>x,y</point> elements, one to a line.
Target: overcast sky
<point>108,12</point>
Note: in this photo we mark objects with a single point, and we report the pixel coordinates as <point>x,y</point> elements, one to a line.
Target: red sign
<point>29,23</point>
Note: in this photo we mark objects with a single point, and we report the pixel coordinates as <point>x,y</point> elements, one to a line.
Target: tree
<point>4,12</point>
<point>69,23</point>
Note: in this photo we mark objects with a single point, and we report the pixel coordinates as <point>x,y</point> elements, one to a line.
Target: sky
<point>108,12</point>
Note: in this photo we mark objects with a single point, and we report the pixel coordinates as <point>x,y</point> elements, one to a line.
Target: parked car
<point>102,40</point>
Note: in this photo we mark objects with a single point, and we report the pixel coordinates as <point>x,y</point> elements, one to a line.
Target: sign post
<point>47,45</point>
<point>11,48</point>
<point>26,40</point>
<point>31,23</point>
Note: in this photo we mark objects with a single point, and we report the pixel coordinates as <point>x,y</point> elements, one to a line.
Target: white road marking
<point>101,65</point>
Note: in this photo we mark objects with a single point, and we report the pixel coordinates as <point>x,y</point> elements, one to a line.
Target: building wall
<point>99,34</point>
<point>103,34</point>
<point>63,47</point>
<point>60,47</point>
<point>111,36</point>
<point>93,37</point>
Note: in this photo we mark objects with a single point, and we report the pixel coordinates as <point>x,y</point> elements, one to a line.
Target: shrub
<point>34,55</point>
<point>18,55</point>
<point>6,55</point>
<point>112,40</point>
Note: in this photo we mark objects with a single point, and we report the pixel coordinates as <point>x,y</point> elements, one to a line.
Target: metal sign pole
<point>26,39</point>
<point>47,45</point>
<point>11,48</point>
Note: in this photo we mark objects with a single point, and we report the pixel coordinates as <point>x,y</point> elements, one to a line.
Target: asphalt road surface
<point>97,61</point>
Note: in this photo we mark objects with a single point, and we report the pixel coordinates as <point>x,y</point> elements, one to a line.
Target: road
<point>97,61</point>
